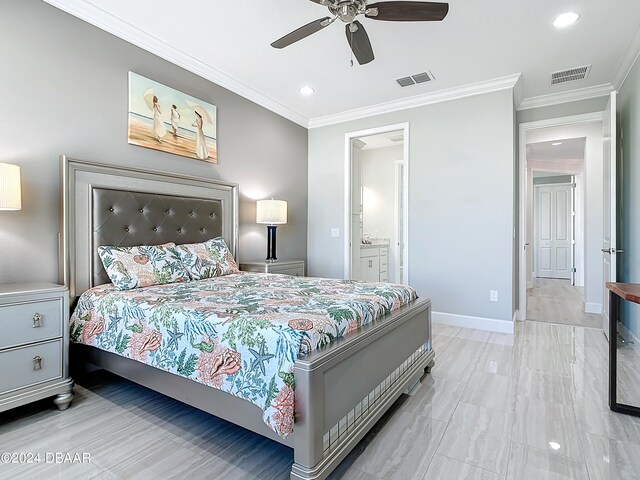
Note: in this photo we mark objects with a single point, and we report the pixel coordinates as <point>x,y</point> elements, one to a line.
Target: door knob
<point>606,250</point>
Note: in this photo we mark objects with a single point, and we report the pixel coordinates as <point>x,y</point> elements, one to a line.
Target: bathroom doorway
<point>376,213</point>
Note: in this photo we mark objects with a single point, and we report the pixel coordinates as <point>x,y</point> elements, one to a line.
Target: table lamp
<point>271,213</point>
<point>10,191</point>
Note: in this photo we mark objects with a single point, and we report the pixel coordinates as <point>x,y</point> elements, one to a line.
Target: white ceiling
<point>569,149</point>
<point>229,43</point>
<point>382,140</point>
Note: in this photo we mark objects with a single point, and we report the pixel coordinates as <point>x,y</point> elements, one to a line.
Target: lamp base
<point>271,243</point>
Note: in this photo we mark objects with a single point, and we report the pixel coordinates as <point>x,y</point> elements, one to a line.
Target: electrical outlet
<point>493,295</point>
<point>335,232</point>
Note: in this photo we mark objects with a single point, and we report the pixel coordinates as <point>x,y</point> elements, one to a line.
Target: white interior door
<point>609,193</point>
<point>553,231</point>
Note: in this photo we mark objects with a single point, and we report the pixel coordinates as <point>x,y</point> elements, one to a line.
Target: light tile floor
<point>526,406</point>
<point>556,301</point>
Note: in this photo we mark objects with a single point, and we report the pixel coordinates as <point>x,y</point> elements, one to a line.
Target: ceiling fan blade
<point>360,44</point>
<point>408,11</point>
<point>300,33</point>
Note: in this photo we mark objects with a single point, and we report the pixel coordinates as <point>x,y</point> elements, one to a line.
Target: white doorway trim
<point>348,137</point>
<point>523,129</point>
<point>397,224</point>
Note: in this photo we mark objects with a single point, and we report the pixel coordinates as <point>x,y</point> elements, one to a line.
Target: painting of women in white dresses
<point>165,119</point>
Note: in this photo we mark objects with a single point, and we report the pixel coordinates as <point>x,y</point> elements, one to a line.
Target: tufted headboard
<point>124,219</point>
<point>121,206</point>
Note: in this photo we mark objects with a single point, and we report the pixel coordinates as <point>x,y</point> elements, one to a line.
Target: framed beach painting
<point>165,119</point>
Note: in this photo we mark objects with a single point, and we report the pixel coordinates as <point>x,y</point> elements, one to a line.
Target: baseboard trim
<point>593,308</point>
<point>629,335</point>
<point>479,323</point>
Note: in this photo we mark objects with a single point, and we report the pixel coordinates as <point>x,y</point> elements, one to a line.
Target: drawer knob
<point>37,362</point>
<point>37,320</point>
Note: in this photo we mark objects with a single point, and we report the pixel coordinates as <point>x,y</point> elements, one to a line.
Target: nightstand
<point>286,267</point>
<point>34,345</point>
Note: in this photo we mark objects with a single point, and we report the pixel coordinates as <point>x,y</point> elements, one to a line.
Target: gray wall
<point>461,200</point>
<point>64,91</point>
<point>550,180</point>
<point>629,262</point>
<point>562,110</point>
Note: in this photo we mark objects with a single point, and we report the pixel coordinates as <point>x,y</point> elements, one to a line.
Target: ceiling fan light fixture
<point>348,11</point>
<point>566,19</point>
<point>306,91</point>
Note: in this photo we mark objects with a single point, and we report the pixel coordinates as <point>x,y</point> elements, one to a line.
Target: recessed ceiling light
<point>306,91</point>
<point>566,19</point>
<point>554,445</point>
<point>555,144</point>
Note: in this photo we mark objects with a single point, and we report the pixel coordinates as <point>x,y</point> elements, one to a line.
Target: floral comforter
<point>240,333</point>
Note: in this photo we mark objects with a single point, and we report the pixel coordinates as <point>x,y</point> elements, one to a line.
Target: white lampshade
<point>271,212</point>
<point>10,192</point>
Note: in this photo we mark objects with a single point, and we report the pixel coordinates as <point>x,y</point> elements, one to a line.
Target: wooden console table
<point>631,293</point>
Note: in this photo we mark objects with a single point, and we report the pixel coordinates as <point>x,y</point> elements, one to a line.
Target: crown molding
<point>517,92</point>
<point>566,97</point>
<point>501,83</point>
<point>629,60</point>
<point>110,23</point>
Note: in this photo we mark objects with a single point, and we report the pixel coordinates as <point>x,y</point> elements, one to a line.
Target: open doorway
<point>377,224</point>
<point>562,217</point>
<point>555,273</point>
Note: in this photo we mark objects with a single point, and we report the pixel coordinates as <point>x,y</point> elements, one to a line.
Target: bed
<point>343,383</point>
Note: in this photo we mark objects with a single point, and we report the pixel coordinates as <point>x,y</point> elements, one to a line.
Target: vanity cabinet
<point>374,261</point>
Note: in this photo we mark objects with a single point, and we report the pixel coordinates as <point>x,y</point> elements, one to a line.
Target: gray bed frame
<point>341,390</point>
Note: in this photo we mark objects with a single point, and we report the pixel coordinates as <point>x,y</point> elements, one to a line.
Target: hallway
<point>556,301</point>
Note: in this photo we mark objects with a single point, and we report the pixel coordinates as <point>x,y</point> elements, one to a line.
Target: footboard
<point>342,390</point>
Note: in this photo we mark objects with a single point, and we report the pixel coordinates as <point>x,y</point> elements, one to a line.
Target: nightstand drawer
<point>30,322</point>
<point>30,365</point>
<point>284,267</point>
<point>295,271</point>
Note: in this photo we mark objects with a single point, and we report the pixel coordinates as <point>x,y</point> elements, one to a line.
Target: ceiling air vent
<point>421,77</point>
<point>415,79</point>
<point>570,75</point>
<point>405,81</point>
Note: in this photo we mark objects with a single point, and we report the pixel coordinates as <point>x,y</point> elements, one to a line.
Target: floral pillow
<point>209,259</point>
<point>143,266</point>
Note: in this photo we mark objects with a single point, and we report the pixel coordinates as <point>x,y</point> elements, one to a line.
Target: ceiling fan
<point>348,10</point>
